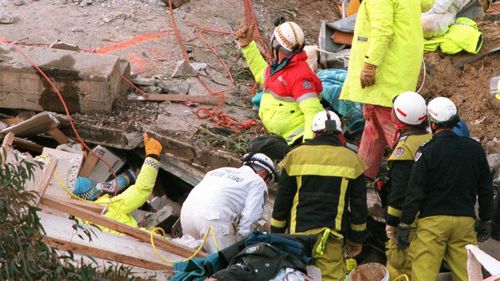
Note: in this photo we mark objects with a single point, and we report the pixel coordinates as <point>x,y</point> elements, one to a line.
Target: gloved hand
<point>245,35</point>
<point>352,249</point>
<point>152,146</point>
<point>483,230</point>
<point>403,232</point>
<point>368,75</point>
<point>390,231</point>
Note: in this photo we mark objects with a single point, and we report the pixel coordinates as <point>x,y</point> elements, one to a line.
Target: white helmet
<point>262,161</point>
<point>290,36</point>
<point>410,108</point>
<point>442,110</point>
<point>321,119</point>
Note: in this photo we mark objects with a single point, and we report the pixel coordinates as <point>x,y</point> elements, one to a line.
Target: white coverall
<point>436,21</point>
<point>230,200</point>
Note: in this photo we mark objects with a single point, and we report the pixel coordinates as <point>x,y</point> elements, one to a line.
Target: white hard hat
<point>321,119</point>
<point>410,108</point>
<point>262,161</point>
<point>290,36</point>
<point>442,110</point>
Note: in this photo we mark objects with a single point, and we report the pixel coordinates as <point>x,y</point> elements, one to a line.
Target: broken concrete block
<point>144,81</point>
<point>159,202</point>
<point>40,123</point>
<point>7,18</point>
<point>124,72</point>
<point>163,216</point>
<point>184,69</point>
<point>176,3</point>
<point>88,82</point>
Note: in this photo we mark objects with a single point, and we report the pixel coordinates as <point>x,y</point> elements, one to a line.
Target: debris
<point>176,3</point>
<point>68,165</point>
<point>64,46</point>
<point>7,18</point>
<point>207,99</point>
<point>183,69</point>
<point>40,123</point>
<point>161,217</point>
<point>199,66</point>
<point>19,2</point>
<point>99,164</point>
<point>472,59</point>
<point>144,81</point>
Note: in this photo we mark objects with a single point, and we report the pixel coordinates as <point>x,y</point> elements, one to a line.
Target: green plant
<point>23,254</point>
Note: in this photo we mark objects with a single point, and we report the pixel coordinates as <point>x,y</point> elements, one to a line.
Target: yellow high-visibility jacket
<point>291,95</point>
<point>387,34</point>
<point>120,206</point>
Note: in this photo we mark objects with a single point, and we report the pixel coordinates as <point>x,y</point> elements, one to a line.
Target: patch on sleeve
<point>417,155</point>
<point>399,152</point>
<point>307,85</point>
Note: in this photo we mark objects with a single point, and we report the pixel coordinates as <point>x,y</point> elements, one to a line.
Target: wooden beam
<point>205,99</point>
<point>85,205</point>
<point>28,145</point>
<point>84,214</point>
<point>104,254</point>
<point>45,179</point>
<point>8,140</point>
<point>89,164</point>
<point>59,136</point>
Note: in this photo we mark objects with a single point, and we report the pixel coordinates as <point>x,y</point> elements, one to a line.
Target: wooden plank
<point>28,145</point>
<point>8,140</point>
<point>59,136</point>
<point>45,179</point>
<point>85,205</point>
<point>79,212</point>
<point>206,99</point>
<point>104,254</point>
<point>88,165</point>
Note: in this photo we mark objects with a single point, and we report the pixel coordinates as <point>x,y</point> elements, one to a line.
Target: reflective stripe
<point>358,227</point>
<point>340,208</point>
<point>295,133</point>
<point>394,212</point>
<point>307,96</point>
<point>293,216</point>
<point>278,223</point>
<point>278,97</point>
<point>323,170</point>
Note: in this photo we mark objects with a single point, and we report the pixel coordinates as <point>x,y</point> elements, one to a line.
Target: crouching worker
<point>228,201</point>
<point>410,112</point>
<point>322,192</point>
<point>119,207</point>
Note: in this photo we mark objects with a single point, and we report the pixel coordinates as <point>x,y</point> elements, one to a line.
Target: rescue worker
<point>119,207</point>
<point>322,192</point>
<point>290,97</point>
<point>410,113</point>
<point>443,13</point>
<point>449,172</point>
<point>386,56</point>
<point>229,201</point>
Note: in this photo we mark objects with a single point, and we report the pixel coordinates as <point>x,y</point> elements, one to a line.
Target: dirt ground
<point>142,32</point>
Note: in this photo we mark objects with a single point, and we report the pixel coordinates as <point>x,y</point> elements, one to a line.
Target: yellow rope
<point>162,233</point>
<point>402,277</point>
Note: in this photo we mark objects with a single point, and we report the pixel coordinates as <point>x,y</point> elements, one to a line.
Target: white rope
<point>423,78</point>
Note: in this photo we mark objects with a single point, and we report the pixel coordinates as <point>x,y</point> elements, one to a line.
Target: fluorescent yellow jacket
<point>120,206</point>
<point>291,95</point>
<point>388,34</point>
<point>462,35</point>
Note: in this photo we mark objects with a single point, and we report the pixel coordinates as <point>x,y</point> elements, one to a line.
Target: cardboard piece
<point>66,172</point>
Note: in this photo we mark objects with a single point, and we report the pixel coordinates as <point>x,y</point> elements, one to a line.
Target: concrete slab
<point>88,82</point>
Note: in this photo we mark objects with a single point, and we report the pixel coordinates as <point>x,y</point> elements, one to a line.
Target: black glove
<point>403,233</point>
<point>483,230</point>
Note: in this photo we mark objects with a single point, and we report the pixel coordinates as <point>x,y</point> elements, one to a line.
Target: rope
<point>402,277</point>
<point>162,233</point>
<point>423,78</point>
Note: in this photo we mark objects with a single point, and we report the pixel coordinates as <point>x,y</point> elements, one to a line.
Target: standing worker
<point>410,113</point>
<point>386,56</point>
<point>228,201</point>
<point>448,174</point>
<point>322,192</point>
<point>291,89</point>
<point>119,207</point>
